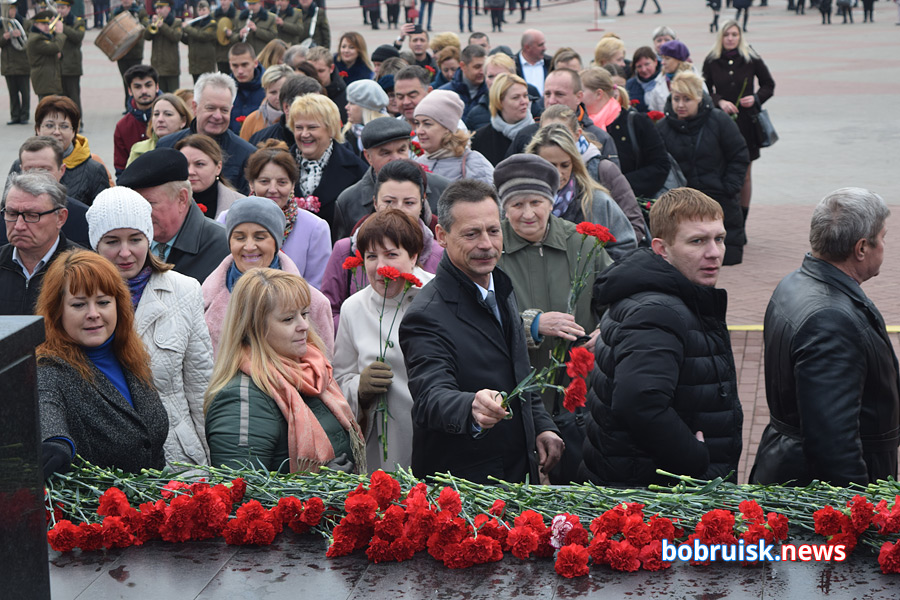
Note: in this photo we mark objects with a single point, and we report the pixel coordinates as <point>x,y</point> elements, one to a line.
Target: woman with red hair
<point>95,390</point>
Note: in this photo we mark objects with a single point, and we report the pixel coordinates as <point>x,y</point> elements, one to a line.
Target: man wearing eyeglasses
<point>34,211</point>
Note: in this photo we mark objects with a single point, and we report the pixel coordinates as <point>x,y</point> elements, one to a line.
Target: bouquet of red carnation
<point>655,115</point>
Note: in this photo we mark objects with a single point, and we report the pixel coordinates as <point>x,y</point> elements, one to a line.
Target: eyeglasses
<point>11,216</point>
<point>62,126</point>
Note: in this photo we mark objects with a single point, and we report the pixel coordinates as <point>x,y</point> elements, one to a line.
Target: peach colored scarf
<point>308,444</point>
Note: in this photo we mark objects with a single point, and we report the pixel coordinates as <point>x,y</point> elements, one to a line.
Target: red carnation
<point>651,557</point>
<point>179,520</point>
<point>313,509</point>
<point>113,503</point>
<point>211,515</point>
<point>847,540</point>
<point>343,74</point>
<point>635,101</point>
<point>751,511</point>
<point>861,513</point>
<point>827,521</point>
<point>379,550</point>
<point>576,395</point>
<point>610,522</point>
<point>529,518</point>
<point>90,536</point>
<point>714,524</point>
<point>655,115</point>
<point>353,262</point>
<point>388,272</point>
<point>598,548</point>
<point>636,532</point>
<point>116,535</point>
<point>598,231</point>
<point>241,118</point>
<point>360,509</point>
<point>572,561</point>
<point>390,527</point>
<point>622,556</point>
<point>169,490</point>
<point>238,489</point>
<point>411,279</point>
<point>661,528</point>
<point>403,549</point>
<point>449,501</point>
<point>64,537</point>
<point>498,508</point>
<point>522,541</point>
<point>202,207</point>
<point>778,524</point>
<point>430,69</point>
<point>384,488</point>
<point>581,361</point>
<point>889,557</point>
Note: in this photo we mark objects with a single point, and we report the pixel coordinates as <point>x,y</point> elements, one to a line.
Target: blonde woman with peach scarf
<point>273,402</point>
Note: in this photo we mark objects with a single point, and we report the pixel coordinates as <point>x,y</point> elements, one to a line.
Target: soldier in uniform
<point>135,56</point>
<point>14,66</point>
<point>315,23</point>
<point>288,22</point>
<point>256,26</point>
<point>225,9</point>
<point>200,37</point>
<point>164,35</point>
<point>71,67</point>
<point>44,50</point>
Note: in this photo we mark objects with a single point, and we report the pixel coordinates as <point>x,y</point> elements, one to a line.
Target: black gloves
<point>56,456</point>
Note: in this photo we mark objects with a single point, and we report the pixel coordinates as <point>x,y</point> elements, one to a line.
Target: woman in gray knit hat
<point>255,231</point>
<point>366,101</point>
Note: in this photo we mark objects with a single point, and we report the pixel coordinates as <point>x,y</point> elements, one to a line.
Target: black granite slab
<point>295,567</point>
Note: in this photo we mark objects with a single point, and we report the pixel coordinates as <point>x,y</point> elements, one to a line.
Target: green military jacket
<point>164,55</point>
<point>264,33</point>
<point>12,61</point>
<point>43,56</point>
<point>322,33</point>
<point>222,49</point>
<point>72,61</point>
<point>200,38</point>
<point>542,275</point>
<point>137,52</point>
<point>291,26</point>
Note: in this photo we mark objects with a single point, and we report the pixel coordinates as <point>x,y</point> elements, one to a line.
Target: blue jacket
<point>249,97</point>
<point>462,90</point>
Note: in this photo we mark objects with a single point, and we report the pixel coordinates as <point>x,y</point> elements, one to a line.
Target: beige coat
<point>357,346</point>
<point>169,319</point>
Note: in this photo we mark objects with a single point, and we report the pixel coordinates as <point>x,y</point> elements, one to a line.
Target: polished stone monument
<point>23,529</point>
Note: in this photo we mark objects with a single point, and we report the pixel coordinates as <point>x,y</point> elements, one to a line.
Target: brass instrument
<point>197,20</point>
<point>153,28</point>
<point>10,25</point>
<point>222,26</point>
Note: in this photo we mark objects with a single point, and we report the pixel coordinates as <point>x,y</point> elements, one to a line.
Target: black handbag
<point>765,131</point>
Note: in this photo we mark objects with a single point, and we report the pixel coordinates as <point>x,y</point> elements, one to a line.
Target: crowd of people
<point>347,260</point>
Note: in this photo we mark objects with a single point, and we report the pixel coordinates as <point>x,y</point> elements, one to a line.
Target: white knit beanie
<point>118,208</point>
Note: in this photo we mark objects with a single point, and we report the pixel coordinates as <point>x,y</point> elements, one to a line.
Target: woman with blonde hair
<point>269,111</point>
<point>609,49</point>
<point>733,68</point>
<point>600,168</point>
<point>327,166</point>
<point>510,114</point>
<point>94,382</point>
<point>366,101</point>
<point>273,401</point>
<point>446,148</point>
<point>272,54</point>
<point>352,58</point>
<point>601,96</point>
<point>447,63</point>
<point>168,114</point>
<point>494,66</point>
<point>711,152</point>
<point>580,198</point>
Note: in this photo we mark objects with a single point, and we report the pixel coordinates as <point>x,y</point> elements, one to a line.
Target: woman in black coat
<point>327,166</point>
<point>729,71</point>
<point>642,153</point>
<point>95,390</point>
<point>710,151</point>
<point>510,114</point>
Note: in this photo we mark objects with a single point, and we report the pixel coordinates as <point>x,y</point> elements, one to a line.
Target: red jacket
<point>129,130</point>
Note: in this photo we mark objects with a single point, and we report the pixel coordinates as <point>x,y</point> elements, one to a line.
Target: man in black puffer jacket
<point>664,395</point>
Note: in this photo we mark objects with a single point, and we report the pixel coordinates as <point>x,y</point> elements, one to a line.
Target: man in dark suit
<point>532,64</point>
<point>463,342</point>
<point>182,236</point>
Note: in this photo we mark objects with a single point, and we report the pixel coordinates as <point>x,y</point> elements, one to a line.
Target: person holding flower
<point>272,401</point>
<point>368,362</point>
<point>544,256</point>
<point>255,233</point>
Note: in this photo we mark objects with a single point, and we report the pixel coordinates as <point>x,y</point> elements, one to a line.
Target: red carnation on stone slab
<point>889,557</point>
<point>572,561</point>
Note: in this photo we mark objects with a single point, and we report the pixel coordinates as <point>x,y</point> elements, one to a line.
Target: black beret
<point>154,168</point>
<point>384,130</point>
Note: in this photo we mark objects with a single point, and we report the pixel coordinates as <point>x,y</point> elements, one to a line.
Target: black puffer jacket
<point>665,371</point>
<point>713,156</point>
<point>646,169</point>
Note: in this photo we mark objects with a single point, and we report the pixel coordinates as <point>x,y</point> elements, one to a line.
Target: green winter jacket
<point>244,425</point>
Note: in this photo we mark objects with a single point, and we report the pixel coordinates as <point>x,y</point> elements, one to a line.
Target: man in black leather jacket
<point>831,372</point>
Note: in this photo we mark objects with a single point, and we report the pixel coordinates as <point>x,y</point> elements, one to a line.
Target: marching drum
<point>119,36</point>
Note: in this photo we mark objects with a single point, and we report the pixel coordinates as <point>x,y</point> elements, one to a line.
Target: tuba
<point>10,24</point>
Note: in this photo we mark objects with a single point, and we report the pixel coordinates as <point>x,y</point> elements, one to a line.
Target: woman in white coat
<point>168,309</point>
<point>388,238</point>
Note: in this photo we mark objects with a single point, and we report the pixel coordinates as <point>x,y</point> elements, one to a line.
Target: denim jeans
<point>422,6</point>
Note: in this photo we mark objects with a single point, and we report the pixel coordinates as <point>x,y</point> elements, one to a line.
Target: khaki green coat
<point>72,61</point>
<point>164,55</point>
<point>322,35</point>
<point>264,33</point>
<point>43,56</point>
<point>202,46</point>
<point>12,61</point>
<point>292,25</point>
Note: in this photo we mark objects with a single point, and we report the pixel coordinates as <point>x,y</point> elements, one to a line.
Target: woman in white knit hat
<point>168,309</point>
<point>366,101</point>
<point>446,147</point>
